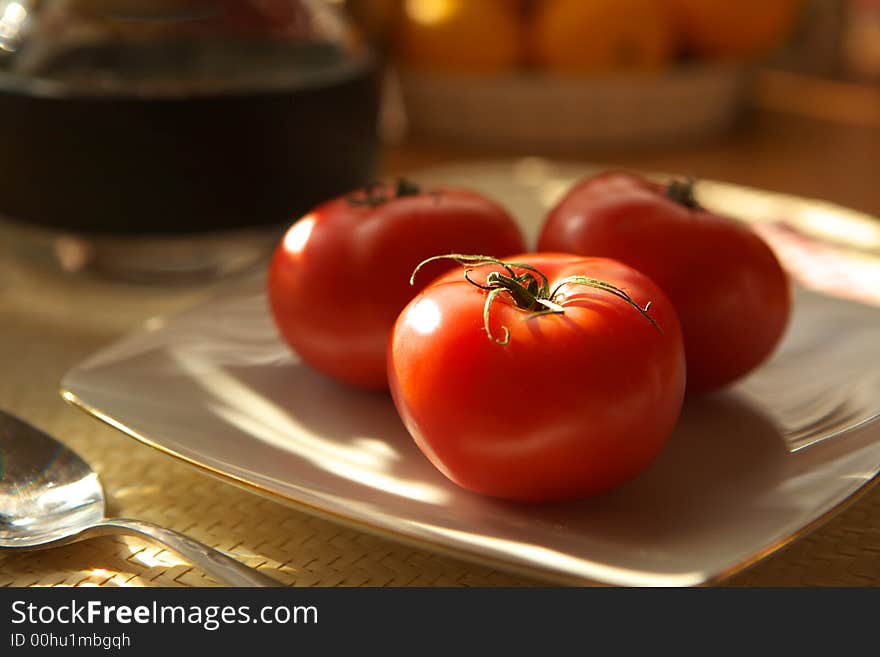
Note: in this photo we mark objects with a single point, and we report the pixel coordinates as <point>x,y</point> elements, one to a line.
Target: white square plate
<point>215,387</point>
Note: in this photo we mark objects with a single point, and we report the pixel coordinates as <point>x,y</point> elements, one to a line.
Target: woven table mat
<point>48,323</point>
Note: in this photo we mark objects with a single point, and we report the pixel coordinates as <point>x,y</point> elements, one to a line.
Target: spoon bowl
<point>49,496</point>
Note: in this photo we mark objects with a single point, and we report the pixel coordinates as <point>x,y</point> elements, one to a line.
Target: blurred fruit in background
<point>460,35</point>
<point>733,28</point>
<point>580,36</point>
<point>583,36</point>
<point>574,73</point>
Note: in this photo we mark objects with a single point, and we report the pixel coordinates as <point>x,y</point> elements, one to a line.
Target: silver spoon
<point>49,497</point>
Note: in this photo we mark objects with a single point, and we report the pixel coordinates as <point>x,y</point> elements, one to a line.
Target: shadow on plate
<point>722,451</point>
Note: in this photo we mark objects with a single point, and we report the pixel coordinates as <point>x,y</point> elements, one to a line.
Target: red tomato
<point>539,407</point>
<point>732,296</point>
<point>340,277</point>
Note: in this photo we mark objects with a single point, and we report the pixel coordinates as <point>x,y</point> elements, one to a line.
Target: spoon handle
<point>211,561</point>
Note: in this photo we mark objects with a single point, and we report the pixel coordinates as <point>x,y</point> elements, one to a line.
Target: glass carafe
<point>155,137</point>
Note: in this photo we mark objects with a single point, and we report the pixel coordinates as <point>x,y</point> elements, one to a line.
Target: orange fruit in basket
<point>733,28</point>
<point>482,36</point>
<point>581,36</point>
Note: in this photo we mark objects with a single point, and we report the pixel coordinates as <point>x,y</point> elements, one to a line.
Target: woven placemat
<point>49,323</point>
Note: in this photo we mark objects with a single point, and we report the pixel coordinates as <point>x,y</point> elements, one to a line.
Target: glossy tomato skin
<point>732,296</point>
<point>572,405</point>
<point>340,277</point>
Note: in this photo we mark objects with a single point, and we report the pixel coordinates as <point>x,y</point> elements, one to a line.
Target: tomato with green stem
<point>731,294</point>
<point>549,377</point>
<point>340,277</point>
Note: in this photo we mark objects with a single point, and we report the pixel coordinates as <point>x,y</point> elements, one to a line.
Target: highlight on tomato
<point>731,293</point>
<point>547,377</point>
<point>340,276</point>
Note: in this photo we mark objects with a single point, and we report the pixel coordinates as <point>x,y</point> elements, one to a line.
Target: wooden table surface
<point>49,322</point>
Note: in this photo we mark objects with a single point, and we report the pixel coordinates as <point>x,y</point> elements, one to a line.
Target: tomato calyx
<point>529,290</point>
<point>682,192</point>
<point>375,194</point>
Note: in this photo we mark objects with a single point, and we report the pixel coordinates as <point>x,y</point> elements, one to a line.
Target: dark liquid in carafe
<point>160,158</point>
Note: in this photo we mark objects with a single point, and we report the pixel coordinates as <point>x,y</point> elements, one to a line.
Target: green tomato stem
<point>374,193</point>
<point>682,192</point>
<point>529,290</point>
